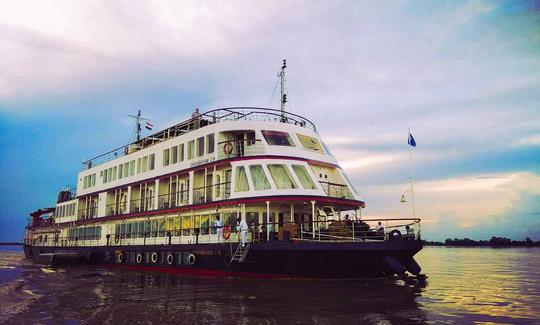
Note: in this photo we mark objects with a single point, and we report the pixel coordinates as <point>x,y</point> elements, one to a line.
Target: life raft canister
<point>226,232</point>
<point>154,257</point>
<point>228,148</point>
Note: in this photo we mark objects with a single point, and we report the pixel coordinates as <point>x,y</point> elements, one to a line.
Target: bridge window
<point>165,157</point>
<point>210,143</point>
<point>191,149</point>
<point>241,181</point>
<point>260,182</point>
<point>200,146</point>
<point>310,143</point>
<point>277,138</point>
<point>281,176</point>
<point>304,177</point>
<point>181,152</point>
<point>174,155</point>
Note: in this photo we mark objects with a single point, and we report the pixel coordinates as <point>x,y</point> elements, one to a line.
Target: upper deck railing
<point>199,120</point>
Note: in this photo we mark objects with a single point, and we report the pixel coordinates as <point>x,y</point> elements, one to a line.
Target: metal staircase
<point>240,253</point>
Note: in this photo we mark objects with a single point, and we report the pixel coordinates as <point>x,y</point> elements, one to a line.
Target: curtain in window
<point>260,182</point>
<point>241,181</point>
<point>281,176</point>
<point>304,177</point>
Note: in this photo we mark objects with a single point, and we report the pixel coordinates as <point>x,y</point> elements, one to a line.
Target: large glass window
<point>241,181</point>
<point>310,143</point>
<point>151,161</point>
<point>303,175</point>
<point>181,152</point>
<point>165,157</point>
<point>191,149</point>
<point>200,146</point>
<point>260,182</point>
<point>174,155</point>
<point>281,176</point>
<point>278,138</point>
<point>210,143</point>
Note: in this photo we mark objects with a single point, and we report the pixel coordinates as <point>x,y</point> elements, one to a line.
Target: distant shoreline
<point>493,242</point>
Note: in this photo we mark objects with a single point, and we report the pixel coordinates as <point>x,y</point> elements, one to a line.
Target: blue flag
<point>411,141</point>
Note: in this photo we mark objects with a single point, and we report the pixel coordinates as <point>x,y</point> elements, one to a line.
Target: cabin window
<point>140,229</point>
<point>114,173</point>
<point>278,138</point>
<point>260,182</point>
<point>200,146</point>
<point>120,171</point>
<point>147,228</point>
<point>241,181</point>
<point>174,155</point>
<point>186,225</point>
<point>165,157</point>
<point>181,152</point>
<point>177,226</point>
<point>191,149</point>
<point>205,224</point>
<point>303,175</point>
<point>151,161</point>
<point>138,165</point>
<point>154,228</point>
<point>210,143</point>
<point>161,227</point>
<point>126,169</point>
<point>109,175</point>
<point>104,176</point>
<point>132,168</point>
<point>310,143</point>
<point>145,164</point>
<point>281,176</point>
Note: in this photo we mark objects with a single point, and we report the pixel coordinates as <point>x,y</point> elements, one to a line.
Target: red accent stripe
<point>202,272</point>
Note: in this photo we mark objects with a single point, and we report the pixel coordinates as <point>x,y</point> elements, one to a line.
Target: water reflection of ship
<point>153,205</point>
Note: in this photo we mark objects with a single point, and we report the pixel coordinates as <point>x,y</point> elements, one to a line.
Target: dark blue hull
<point>268,259</point>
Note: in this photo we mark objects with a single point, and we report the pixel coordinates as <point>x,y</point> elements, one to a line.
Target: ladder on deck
<point>240,253</point>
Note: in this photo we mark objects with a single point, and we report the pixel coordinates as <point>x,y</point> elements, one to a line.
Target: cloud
<point>533,140</point>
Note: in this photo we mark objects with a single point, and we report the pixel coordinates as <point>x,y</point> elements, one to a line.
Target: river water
<point>464,285</point>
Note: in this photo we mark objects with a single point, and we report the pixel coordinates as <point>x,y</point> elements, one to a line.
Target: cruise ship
<point>238,191</point>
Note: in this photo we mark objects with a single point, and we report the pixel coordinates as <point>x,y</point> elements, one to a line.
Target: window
<point>277,138</point>
<point>138,165</point>
<point>145,164</point>
<point>174,155</point>
<point>132,168</point>
<point>310,143</point>
<point>303,175</point>
<point>114,173</point>
<point>165,157</point>
<point>120,171</point>
<point>109,175</point>
<point>126,169</point>
<point>191,149</point>
<point>260,182</point>
<point>210,143</point>
<point>200,146</point>
<point>241,181</point>
<point>281,176</point>
<point>181,152</point>
<point>151,161</point>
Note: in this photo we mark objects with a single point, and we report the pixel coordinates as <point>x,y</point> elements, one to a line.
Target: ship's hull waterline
<point>279,259</point>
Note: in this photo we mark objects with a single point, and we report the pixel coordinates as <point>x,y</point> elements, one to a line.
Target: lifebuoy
<point>228,148</point>
<point>119,258</point>
<point>191,259</point>
<point>154,257</point>
<point>226,232</point>
<point>126,150</point>
<point>139,258</point>
<point>170,259</point>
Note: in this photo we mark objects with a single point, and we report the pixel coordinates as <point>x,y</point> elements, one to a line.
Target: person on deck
<point>379,229</point>
<point>219,229</point>
<point>243,228</point>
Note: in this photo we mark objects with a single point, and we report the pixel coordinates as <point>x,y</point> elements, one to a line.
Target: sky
<point>464,76</point>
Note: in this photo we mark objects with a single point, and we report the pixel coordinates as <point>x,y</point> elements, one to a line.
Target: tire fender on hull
<point>412,266</point>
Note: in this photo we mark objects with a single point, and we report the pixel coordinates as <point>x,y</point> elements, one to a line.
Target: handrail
<point>196,122</point>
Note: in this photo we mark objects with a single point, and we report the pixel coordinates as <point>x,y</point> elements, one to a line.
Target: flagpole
<point>411,175</point>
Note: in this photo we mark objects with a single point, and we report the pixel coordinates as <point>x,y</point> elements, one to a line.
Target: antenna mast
<point>282,82</point>
<point>138,120</point>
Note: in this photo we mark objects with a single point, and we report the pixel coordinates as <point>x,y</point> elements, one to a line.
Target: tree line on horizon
<point>493,242</point>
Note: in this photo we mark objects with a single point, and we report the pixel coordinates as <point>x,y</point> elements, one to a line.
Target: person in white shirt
<point>219,229</point>
<point>243,228</point>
